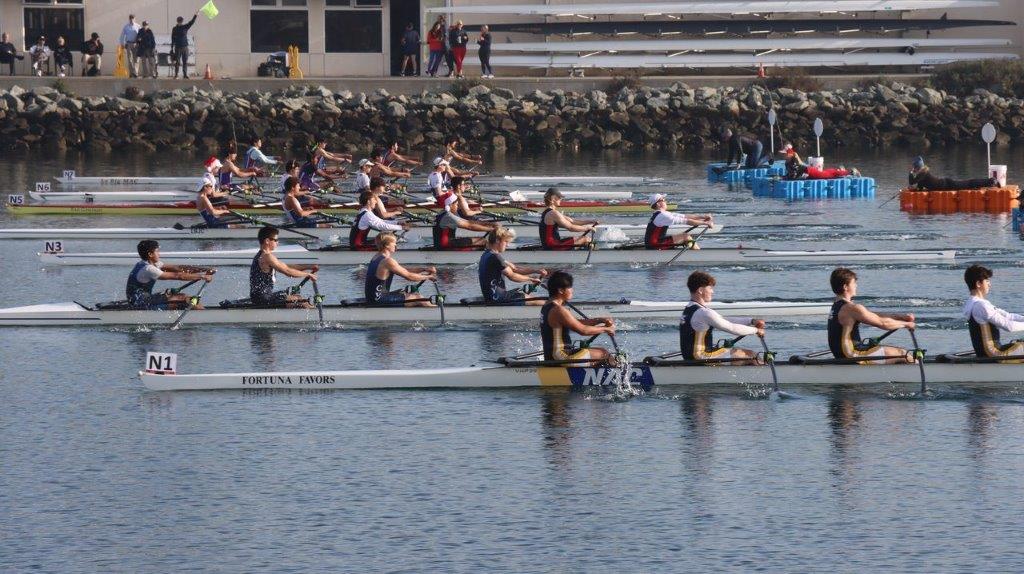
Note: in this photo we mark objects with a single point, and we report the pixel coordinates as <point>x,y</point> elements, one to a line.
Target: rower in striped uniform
<point>455,214</point>
<point>143,277</point>
<point>551,220</point>
<point>359,234</point>
<point>494,269</point>
<point>392,157</point>
<point>297,213</point>
<point>846,316</point>
<point>263,275</point>
<point>382,270</point>
<point>698,323</point>
<point>985,320</point>
<point>556,321</point>
<point>657,237</point>
<point>215,216</point>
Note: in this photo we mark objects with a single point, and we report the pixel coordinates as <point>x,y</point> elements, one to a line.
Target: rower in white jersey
<point>149,268</point>
<point>263,275</point>
<point>362,179</point>
<point>439,181</point>
<point>985,320</point>
<point>657,236</point>
<point>359,235</point>
<point>844,324</point>
<point>698,323</point>
<point>381,272</point>
<point>255,158</point>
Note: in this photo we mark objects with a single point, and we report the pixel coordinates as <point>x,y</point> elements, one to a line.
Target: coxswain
<point>380,169</point>
<point>846,316</point>
<point>454,215</point>
<point>359,235</point>
<point>657,236</point>
<point>740,145</point>
<point>298,214</point>
<point>382,270</point>
<point>149,269</point>
<point>494,268</point>
<point>228,168</point>
<point>698,323</point>
<point>392,157</point>
<point>362,182</point>
<point>452,154</point>
<point>922,179</point>
<point>985,320</point>
<point>551,220</point>
<point>556,321</point>
<point>255,158</point>
<point>263,275</point>
<point>215,216</point>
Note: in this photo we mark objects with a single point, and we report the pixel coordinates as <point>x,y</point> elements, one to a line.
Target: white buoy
<point>819,128</point>
<point>988,134</point>
<point>772,117</point>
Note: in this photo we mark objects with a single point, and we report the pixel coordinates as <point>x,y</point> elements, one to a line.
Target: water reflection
<point>981,420</point>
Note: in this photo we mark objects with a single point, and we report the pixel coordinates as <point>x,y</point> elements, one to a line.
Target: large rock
<point>929,97</point>
<point>479,90</point>
<point>394,110</point>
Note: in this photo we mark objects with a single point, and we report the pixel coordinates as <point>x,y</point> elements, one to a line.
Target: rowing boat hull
<point>161,196</point>
<point>646,312</point>
<point>580,378</point>
<point>295,255</point>
<point>415,233</point>
<point>192,182</point>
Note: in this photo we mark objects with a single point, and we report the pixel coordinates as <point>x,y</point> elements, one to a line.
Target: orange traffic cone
<point>760,71</point>
<point>208,74</point>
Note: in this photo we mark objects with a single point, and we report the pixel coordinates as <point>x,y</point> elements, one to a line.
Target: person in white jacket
<point>985,320</point>
<point>698,323</point>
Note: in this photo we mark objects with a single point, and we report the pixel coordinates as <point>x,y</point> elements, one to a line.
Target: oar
<point>318,300</point>
<point>874,341</point>
<point>192,302</point>
<point>440,299</point>
<point>590,246</point>
<point>769,357</point>
<point>689,244</point>
<point>919,356</point>
<point>261,222</point>
<point>890,199</point>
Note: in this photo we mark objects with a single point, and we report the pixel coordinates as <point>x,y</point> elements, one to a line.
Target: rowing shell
<point>296,254</point>
<point>660,312</point>
<point>175,196</point>
<point>579,378</point>
<point>415,233</point>
<point>486,179</point>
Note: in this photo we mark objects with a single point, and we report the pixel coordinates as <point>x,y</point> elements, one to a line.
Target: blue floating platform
<point>841,188</point>
<point>746,176</point>
<point>1017,215</point>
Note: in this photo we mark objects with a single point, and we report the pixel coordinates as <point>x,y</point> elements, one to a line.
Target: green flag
<point>209,10</point>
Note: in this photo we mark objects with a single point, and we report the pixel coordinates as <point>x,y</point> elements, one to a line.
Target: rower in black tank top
<point>556,342</point>
<point>845,343</point>
<point>261,284</point>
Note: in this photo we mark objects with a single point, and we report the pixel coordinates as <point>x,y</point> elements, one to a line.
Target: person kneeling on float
<point>382,270</point>
<point>551,220</point>
<point>797,169</point>
<point>985,320</point>
<point>494,269</point>
<point>657,237</point>
<point>698,323</point>
<point>366,219</point>
<point>214,216</point>
<point>455,215</point>
<point>263,275</point>
<point>556,321</point>
<point>297,214</point>
<point>143,277</point>
<point>740,145</point>
<point>922,179</point>
<point>844,324</point>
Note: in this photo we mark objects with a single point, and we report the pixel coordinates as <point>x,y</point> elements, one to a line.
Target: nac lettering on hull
<point>582,377</point>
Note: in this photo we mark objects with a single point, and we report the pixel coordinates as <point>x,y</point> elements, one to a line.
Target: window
<point>275,30</point>
<point>53,22</point>
<point>353,31</point>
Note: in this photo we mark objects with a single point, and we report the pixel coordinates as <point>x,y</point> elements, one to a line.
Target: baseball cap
<point>439,161</point>
<point>655,198</point>
<point>364,161</point>
<point>212,162</point>
<point>918,162</point>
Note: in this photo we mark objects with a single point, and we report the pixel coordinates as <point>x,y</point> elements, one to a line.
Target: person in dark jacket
<point>449,56</point>
<point>179,45</point>
<point>145,50</point>
<point>410,51</point>
<point>92,53</point>
<point>62,58</point>
<point>8,53</point>
<point>744,144</point>
<point>484,52</point>
<point>922,179</point>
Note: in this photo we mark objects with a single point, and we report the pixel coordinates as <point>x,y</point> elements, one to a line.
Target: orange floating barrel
<point>988,200</point>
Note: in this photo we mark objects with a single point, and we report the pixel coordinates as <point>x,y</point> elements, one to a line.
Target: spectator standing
<point>435,41</point>
<point>39,54</point>
<point>449,56</point>
<point>8,53</point>
<point>92,53</point>
<point>62,59</point>
<point>484,41</point>
<point>410,50</point>
<point>179,45</point>
<point>129,35</point>
<point>459,39</point>
<point>145,47</point>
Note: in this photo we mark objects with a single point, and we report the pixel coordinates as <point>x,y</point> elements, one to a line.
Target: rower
<point>362,182</point>
<point>263,275</point>
<point>139,289</point>
<point>322,156</point>
<point>391,157</point>
<point>255,158</point>
<point>494,269</point>
<point>922,179</point>
<point>985,320</point>
<point>311,169</point>
<point>452,154</point>
<point>214,216</point>
<point>454,216</point>
<point>382,270</point>
<point>744,144</point>
<point>379,188</point>
<point>657,237</point>
<point>551,220</point>
<point>439,181</point>
<point>846,316</point>
<point>698,323</point>
<point>228,168</point>
<point>212,168</point>
<point>556,321</point>
<point>380,169</point>
<point>366,220</point>
<point>297,213</point>
<point>291,169</point>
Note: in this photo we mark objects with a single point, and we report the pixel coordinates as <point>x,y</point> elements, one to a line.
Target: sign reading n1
<point>161,363</point>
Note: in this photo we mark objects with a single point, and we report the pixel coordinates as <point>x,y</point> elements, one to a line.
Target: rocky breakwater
<point>495,118</point>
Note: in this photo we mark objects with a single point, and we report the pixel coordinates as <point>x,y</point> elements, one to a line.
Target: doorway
<point>403,12</point>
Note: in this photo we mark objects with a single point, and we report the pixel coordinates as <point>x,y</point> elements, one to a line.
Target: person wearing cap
<point>366,219</point>
<point>551,220</point>
<point>740,145</point>
<point>494,268</point>
<point>454,215</point>
<point>362,182</point>
<point>92,53</point>
<point>62,58</point>
<point>297,213</point>
<point>145,48</point>
<point>438,181</point>
<point>228,168</point>
<point>129,41</point>
<point>922,179</point>
<point>657,236</point>
<point>215,216</point>
<point>212,167</point>
<point>39,55</point>
<point>179,45</point>
<point>381,169</point>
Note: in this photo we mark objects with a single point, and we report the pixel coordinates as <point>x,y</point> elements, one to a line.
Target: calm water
<point>100,475</point>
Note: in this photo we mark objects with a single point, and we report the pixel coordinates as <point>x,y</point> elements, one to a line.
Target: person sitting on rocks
<point>797,169</point>
<point>922,179</point>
